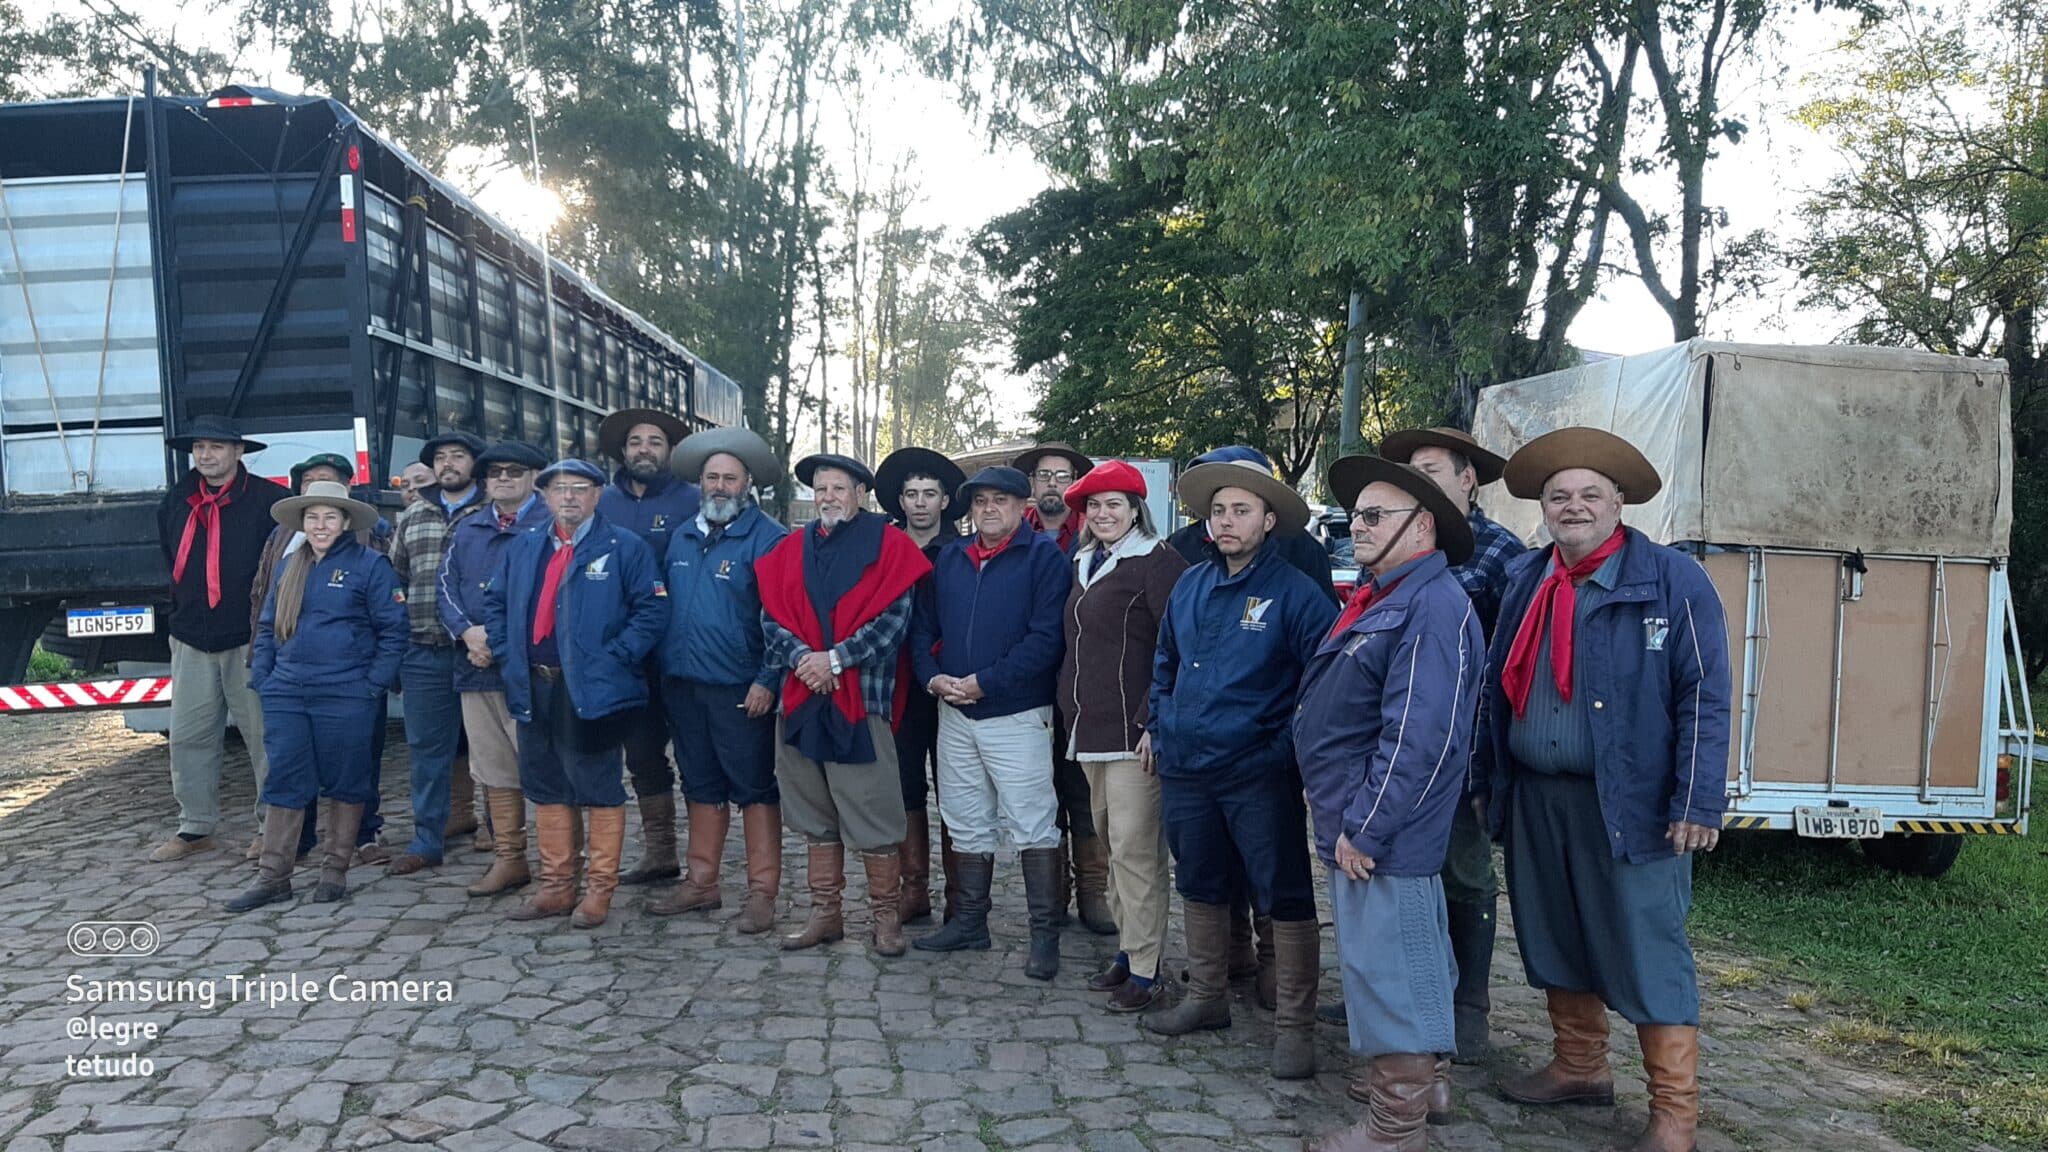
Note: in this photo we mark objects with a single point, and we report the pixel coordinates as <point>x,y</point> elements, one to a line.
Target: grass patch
<point>1947,979</point>
<point>44,667</point>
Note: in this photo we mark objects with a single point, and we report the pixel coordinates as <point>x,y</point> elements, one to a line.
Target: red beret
<point>1108,476</point>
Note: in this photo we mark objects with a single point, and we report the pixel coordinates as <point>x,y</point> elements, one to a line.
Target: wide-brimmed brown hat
<point>611,435</point>
<point>1353,474</point>
<point>1199,485</point>
<point>291,511</point>
<point>1400,448</point>
<point>688,458</point>
<point>1027,460</point>
<point>1534,463</point>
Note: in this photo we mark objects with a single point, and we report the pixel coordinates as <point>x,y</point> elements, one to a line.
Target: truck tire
<point>20,627</point>
<point>1924,854</point>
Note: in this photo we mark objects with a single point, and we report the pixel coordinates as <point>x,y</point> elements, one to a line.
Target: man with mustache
<point>835,608</point>
<point>1603,739</point>
<point>1239,630</point>
<point>717,686</point>
<point>433,709</point>
<point>648,500</point>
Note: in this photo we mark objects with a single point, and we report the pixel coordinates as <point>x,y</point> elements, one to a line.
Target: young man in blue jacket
<point>474,550</point>
<point>717,685</point>
<point>987,642</point>
<point>1383,733</point>
<point>1238,632</point>
<point>572,615</point>
<point>1604,737</point>
<point>648,500</point>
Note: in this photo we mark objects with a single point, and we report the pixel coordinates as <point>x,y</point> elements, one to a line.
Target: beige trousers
<point>493,739</point>
<point>206,689</point>
<point>1124,799</point>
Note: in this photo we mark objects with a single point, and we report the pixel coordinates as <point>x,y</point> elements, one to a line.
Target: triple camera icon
<point>113,939</point>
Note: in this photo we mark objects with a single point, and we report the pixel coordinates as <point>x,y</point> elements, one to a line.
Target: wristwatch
<point>837,667</point>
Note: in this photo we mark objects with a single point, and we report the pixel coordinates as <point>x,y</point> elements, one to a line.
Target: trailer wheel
<point>1915,853</point>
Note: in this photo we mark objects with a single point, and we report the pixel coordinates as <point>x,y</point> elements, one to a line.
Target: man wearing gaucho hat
<point>1604,737</point>
<point>915,486</point>
<point>648,500</point>
<point>1383,733</point>
<point>835,608</point>
<point>1239,629</point>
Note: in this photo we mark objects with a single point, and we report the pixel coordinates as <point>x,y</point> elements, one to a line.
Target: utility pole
<point>1350,439</point>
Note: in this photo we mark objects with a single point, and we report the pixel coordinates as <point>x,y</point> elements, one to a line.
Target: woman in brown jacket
<point>1123,575</point>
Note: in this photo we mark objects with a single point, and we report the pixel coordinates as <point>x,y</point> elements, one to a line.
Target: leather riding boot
<point>509,869</point>
<point>555,831</point>
<point>916,857</point>
<point>1440,1102</point>
<point>826,871</point>
<point>1207,1002</point>
<point>657,842</point>
<point>1063,884</point>
<point>1577,1072</point>
<point>761,827</point>
<point>1472,934</point>
<point>1091,884</point>
<point>1298,947</point>
<point>966,927</point>
<point>708,826</point>
<point>278,851</point>
<point>950,861</point>
<point>342,822</point>
<point>1397,1109</point>
<point>461,801</point>
<point>1671,1060</point>
<point>885,895</point>
<point>1042,870</point>
<point>607,845</point>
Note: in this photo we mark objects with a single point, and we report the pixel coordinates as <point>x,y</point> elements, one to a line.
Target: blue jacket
<point>1231,653</point>
<point>351,634</point>
<point>1654,660</point>
<point>1000,625</point>
<point>471,558</point>
<point>668,505</point>
<point>1384,729</point>
<point>714,605</point>
<point>608,618</point>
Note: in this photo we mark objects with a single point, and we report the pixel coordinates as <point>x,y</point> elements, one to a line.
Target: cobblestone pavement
<point>653,1033</point>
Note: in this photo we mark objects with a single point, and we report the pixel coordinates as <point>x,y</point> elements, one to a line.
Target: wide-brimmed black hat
<point>898,467</point>
<point>1352,474</point>
<point>472,444</point>
<point>213,428</point>
<point>996,476</point>
<point>807,468</point>
<point>611,435</point>
<point>512,452</point>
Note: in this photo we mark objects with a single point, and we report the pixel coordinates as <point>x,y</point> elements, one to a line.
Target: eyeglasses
<point>505,472</point>
<point>1373,516</point>
<point>1053,475</point>
<point>573,487</point>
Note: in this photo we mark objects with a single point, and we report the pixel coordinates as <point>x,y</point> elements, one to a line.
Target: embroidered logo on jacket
<point>1254,618</point>
<point>1656,630</point>
<point>337,578</point>
<point>597,569</point>
<point>724,570</point>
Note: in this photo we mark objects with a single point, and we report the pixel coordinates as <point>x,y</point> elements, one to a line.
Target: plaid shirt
<point>416,550</point>
<point>1485,575</point>
<point>873,649</point>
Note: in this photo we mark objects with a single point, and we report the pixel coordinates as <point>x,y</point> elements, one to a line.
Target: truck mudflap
<point>138,692</point>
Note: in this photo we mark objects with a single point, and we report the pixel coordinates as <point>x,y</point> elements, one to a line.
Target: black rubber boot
<point>967,928</point>
<point>1042,867</point>
<point>1472,934</point>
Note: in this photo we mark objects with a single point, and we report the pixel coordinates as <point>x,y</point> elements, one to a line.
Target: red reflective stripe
<point>85,694</point>
<point>348,225</point>
<point>233,102</point>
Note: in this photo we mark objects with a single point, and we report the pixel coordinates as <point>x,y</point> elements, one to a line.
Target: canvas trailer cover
<point>1853,507</point>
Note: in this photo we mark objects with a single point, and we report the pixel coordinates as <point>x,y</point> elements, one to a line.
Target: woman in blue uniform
<point>327,649</point>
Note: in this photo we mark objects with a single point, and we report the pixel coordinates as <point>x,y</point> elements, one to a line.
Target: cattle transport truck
<point>270,258</point>
<point>1854,509</point>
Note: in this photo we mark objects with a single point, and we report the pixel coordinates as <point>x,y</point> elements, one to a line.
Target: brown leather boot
<point>1298,947</point>
<point>949,859</point>
<point>1398,1103</point>
<point>915,855</point>
<point>708,826</point>
<point>279,845</point>
<point>885,893</point>
<point>1207,1002</point>
<point>1440,1092</point>
<point>1577,1072</point>
<point>1671,1059</point>
<point>761,826</point>
<point>461,801</point>
<point>1091,884</point>
<point>555,826</point>
<point>825,869</point>
<point>508,843</point>
<point>658,836</point>
<point>607,845</point>
<point>341,822</point>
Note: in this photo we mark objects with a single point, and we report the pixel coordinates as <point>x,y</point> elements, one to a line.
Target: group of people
<point>1132,712</point>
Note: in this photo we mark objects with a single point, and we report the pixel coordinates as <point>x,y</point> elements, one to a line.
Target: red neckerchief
<point>980,554</point>
<point>550,584</point>
<point>1556,601</point>
<point>206,506</point>
<point>1361,599</point>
